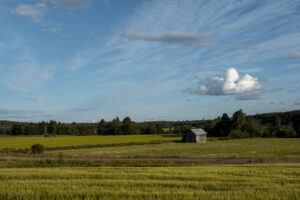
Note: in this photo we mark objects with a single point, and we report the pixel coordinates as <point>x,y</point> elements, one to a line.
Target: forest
<point>240,125</point>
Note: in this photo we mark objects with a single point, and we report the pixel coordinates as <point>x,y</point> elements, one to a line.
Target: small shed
<point>195,136</point>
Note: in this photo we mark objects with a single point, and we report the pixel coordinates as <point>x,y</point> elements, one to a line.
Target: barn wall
<point>190,137</point>
<point>201,138</point>
<point>198,138</point>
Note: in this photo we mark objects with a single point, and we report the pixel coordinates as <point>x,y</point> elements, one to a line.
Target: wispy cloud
<point>243,88</point>
<point>35,12</point>
<point>70,3</point>
<point>179,38</point>
<point>35,99</point>
<point>24,72</point>
<point>295,55</point>
<point>187,39</point>
<point>13,114</point>
<point>81,59</point>
<point>27,75</point>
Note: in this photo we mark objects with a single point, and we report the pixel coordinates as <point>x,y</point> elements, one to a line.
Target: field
<point>156,146</point>
<point>242,148</point>
<point>90,179</point>
<point>251,181</point>
<point>60,141</point>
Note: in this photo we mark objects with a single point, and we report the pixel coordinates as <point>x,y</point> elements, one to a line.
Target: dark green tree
<point>159,128</point>
<point>127,126</point>
<point>101,127</point>
<point>224,117</point>
<point>52,127</point>
<point>239,119</point>
<point>17,129</point>
<point>114,127</point>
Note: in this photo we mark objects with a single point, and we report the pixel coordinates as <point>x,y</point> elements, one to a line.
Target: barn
<point>195,136</point>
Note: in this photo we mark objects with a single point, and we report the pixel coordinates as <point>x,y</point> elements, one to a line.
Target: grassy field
<point>251,181</point>
<point>59,141</point>
<point>242,148</point>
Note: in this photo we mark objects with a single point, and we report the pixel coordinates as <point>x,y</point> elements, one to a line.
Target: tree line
<point>114,127</point>
<point>286,124</point>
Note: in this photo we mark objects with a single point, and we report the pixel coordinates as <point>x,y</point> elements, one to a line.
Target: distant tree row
<point>242,126</point>
<point>126,127</point>
<point>48,128</point>
<point>285,124</point>
<point>114,127</point>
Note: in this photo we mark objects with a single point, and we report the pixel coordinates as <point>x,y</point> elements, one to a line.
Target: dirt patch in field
<point>200,160</point>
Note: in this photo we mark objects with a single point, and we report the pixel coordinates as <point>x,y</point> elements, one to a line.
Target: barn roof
<point>198,131</point>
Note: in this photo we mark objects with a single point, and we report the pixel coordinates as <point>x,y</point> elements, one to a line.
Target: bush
<point>37,148</point>
<point>236,134</point>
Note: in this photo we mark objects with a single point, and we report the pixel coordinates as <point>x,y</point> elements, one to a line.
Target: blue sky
<point>82,60</point>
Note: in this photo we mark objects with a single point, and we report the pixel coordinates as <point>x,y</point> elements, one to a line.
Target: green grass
<point>242,148</point>
<point>240,182</point>
<point>60,141</point>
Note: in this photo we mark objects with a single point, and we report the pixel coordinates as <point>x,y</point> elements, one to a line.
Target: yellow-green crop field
<point>60,141</point>
<point>248,181</point>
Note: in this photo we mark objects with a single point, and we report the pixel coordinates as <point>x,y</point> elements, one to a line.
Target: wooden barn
<point>195,136</point>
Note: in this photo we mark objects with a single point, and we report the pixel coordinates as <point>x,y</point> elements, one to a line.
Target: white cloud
<point>34,12</point>
<point>231,84</point>
<point>295,55</point>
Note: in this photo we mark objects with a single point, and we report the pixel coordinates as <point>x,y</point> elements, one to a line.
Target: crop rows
<point>251,181</point>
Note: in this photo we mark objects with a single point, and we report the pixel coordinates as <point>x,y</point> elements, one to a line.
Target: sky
<point>83,60</point>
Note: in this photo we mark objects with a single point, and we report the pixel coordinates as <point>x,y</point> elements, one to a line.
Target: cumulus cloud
<point>186,39</point>
<point>295,55</point>
<point>244,88</point>
<point>34,12</point>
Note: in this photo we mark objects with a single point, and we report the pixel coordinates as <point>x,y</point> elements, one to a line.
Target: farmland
<point>242,148</point>
<point>156,146</point>
<point>148,179</point>
<point>250,181</point>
